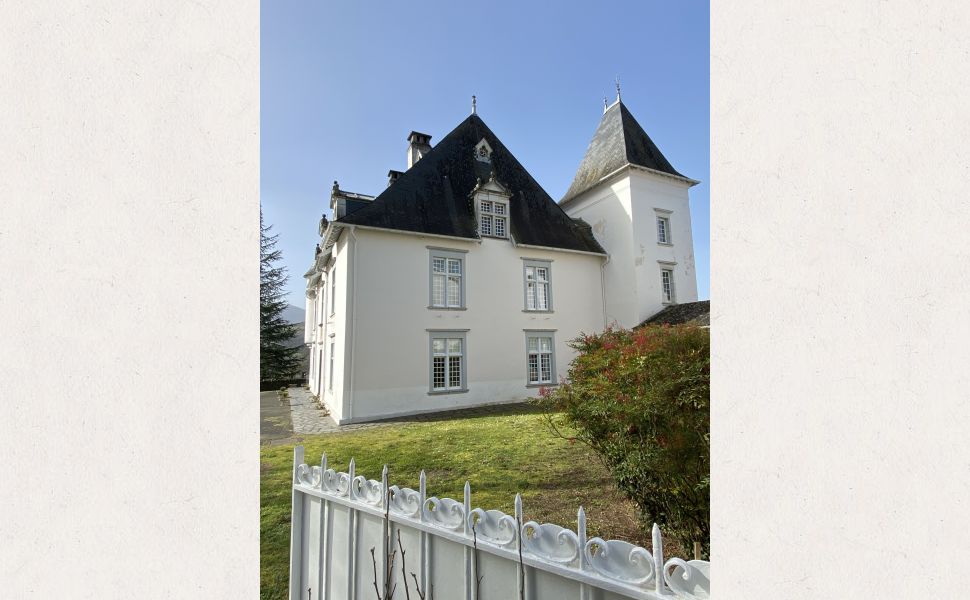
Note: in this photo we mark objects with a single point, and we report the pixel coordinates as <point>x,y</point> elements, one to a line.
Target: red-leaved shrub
<point>640,399</point>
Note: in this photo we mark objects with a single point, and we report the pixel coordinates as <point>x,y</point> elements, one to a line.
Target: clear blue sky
<point>343,83</point>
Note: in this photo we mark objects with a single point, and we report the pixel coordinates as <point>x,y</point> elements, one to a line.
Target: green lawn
<point>514,451</point>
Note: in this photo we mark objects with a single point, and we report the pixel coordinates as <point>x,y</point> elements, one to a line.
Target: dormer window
<point>493,218</point>
<point>491,202</point>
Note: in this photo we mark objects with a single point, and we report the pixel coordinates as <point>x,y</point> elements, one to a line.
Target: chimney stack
<point>419,145</point>
<point>392,176</point>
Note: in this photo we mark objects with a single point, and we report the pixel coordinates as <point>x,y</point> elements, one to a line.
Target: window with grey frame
<point>333,346</point>
<point>448,362</point>
<point>540,358</point>
<point>447,279</point>
<point>493,218</point>
<point>663,229</point>
<point>538,285</point>
<point>333,291</point>
<point>667,284</point>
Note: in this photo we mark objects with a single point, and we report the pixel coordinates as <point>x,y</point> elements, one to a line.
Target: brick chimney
<point>419,145</point>
<point>392,176</point>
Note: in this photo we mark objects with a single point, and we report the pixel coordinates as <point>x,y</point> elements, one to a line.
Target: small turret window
<point>663,226</point>
<point>667,285</point>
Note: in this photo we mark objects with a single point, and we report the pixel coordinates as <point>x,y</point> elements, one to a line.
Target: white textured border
<point>128,181</point>
<point>840,286</point>
<point>129,173</point>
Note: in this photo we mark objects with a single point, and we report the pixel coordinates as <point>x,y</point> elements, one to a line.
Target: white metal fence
<point>428,547</point>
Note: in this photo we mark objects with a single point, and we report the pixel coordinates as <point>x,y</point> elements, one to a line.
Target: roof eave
<point>680,178</point>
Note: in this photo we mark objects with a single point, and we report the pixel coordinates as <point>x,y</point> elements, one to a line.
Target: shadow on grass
<point>478,412</point>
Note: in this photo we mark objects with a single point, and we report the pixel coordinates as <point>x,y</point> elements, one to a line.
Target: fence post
<point>581,534</point>
<point>386,530</point>
<point>520,568</point>
<point>468,533</point>
<point>352,535</point>
<point>425,540</point>
<point>296,529</point>
<point>324,571</point>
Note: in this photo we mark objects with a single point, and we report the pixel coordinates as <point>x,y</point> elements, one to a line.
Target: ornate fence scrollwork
<point>493,526</point>
<point>619,560</point>
<point>619,566</point>
<point>690,579</point>
<point>445,513</point>
<point>405,501</point>
<point>551,542</point>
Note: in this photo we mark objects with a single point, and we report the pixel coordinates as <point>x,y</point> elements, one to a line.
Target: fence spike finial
<point>350,471</point>
<point>581,535</point>
<point>323,461</point>
<point>297,461</point>
<point>518,507</point>
<point>385,490</point>
<point>468,506</point>
<point>422,493</point>
<point>658,560</point>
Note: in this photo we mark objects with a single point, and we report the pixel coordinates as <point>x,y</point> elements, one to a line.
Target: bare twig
<point>478,579</point>
<point>407,593</point>
<point>374,560</point>
<point>417,586</point>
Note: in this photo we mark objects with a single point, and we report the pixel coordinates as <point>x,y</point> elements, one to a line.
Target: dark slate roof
<point>433,195</point>
<point>695,313</point>
<point>619,140</point>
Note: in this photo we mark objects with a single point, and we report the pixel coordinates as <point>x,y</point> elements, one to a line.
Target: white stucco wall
<point>650,192</point>
<point>622,214</point>
<point>608,210</point>
<point>390,292</point>
<point>336,326</point>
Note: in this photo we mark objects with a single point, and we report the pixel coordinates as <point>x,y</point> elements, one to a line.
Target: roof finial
<point>605,105</point>
<point>617,88</point>
<point>474,107</point>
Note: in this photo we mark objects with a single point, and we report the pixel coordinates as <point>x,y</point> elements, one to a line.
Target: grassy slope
<point>499,455</point>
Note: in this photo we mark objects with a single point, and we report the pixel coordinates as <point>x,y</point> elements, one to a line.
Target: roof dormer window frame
<point>492,214</point>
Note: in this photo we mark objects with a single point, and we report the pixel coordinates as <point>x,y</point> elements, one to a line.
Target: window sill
<point>446,392</point>
<point>665,243</point>
<point>494,237</point>
<point>447,308</point>
<point>538,311</point>
<point>541,385</point>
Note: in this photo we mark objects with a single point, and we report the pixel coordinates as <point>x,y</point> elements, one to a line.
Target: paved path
<point>289,422</point>
<point>307,416</point>
<point>275,423</point>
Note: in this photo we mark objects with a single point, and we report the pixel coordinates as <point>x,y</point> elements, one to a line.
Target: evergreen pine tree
<point>276,360</point>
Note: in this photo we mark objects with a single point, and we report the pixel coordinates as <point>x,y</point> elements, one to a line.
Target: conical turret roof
<point>619,141</point>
